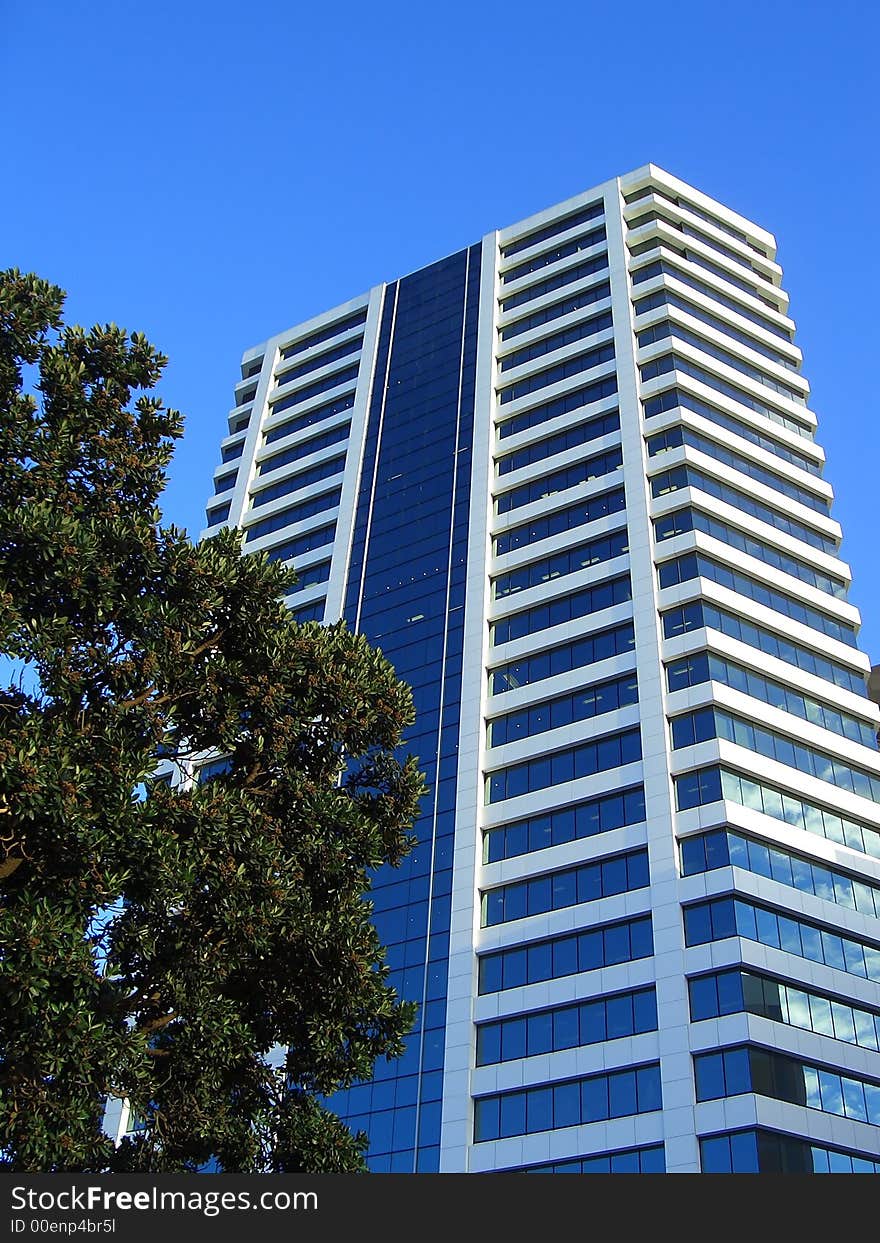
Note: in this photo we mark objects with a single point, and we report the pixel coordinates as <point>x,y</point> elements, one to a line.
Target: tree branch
<point>145,695</point>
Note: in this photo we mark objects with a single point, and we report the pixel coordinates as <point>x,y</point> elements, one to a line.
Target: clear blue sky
<point>211,173</point>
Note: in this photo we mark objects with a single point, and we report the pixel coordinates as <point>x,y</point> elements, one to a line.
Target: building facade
<point>567,480</point>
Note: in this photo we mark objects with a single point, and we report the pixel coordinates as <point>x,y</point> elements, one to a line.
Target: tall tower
<point>567,480</point>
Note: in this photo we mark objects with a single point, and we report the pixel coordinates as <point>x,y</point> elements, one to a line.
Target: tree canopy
<point>158,941</point>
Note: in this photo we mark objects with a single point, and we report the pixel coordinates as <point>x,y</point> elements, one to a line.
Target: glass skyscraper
<point>567,480</point>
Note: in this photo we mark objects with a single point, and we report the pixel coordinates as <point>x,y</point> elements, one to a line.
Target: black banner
<point>167,1208</point>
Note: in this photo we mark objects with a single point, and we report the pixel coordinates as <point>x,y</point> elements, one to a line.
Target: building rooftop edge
<point>625,181</point>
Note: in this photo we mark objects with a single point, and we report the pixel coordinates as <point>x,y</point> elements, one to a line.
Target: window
<point>669,329</point>
<point>736,991</point>
<point>308,577</point>
<point>231,452</point>
<point>304,478</point>
<point>666,297</point>
<point>720,918</point>
<point>696,614</point>
<point>703,667</point>
<point>556,341</point>
<point>706,723</point>
<point>567,306</point>
<point>345,376</point>
<point>665,268</point>
<point>686,475</point>
<point>695,565</point>
<point>304,448</point>
<point>671,363</point>
<point>567,1027</point>
<point>316,415</point>
<point>567,277</point>
<point>679,399</point>
<point>562,659</point>
<point>684,520</point>
<point>295,513</point>
<point>562,251</point>
<point>597,755</point>
<point>559,481</point>
<point>724,846</point>
<point>688,231</point>
<point>556,890</point>
<point>320,360</point>
<point>545,569</point>
<point>582,705</point>
<point>578,820</point>
<point>731,1072</point>
<point>213,768</point>
<point>765,1152</point>
<point>580,603</point>
<point>303,543</point>
<point>571,438</point>
<point>247,394</point>
<point>213,517</point>
<point>561,371</point>
<point>325,334</point>
<point>533,962</point>
<point>566,404</point>
<point>592,212</point>
<point>680,435</point>
<point>569,1103</point>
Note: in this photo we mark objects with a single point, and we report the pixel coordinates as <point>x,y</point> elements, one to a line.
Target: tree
<point>158,941</point>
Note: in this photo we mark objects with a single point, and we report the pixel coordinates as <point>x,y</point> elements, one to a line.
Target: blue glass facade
<point>405,592</point>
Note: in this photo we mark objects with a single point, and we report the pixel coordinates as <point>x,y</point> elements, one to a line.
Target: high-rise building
<point>567,480</point>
